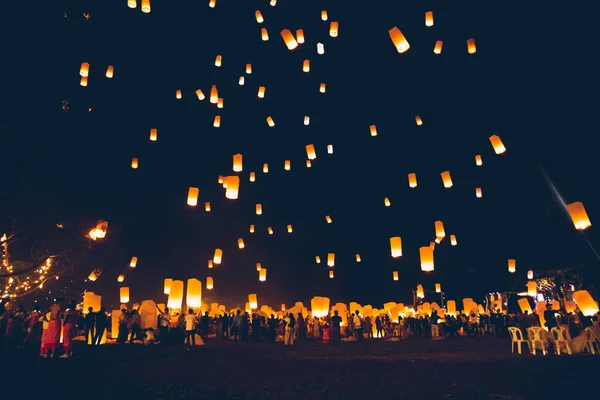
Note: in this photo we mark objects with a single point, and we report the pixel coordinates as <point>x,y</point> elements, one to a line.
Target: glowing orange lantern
<point>237,163</point>
<point>84,70</point>
<point>218,60</point>
<point>167,285</point>
<point>329,149</point>
<point>289,229</point>
<point>306,120</point>
<point>120,278</point>
<point>512,266</point>
<point>262,275</point>
<point>386,202</point>
<point>585,302</point>
<point>265,168</point>
<point>426,253</point>
<point>252,177</point>
<point>153,134</point>
<point>241,81</point>
<point>320,48</point>
<point>530,274</point>
<point>124,295</point>
<point>83,81</point>
<point>259,17</point>
<point>373,130</point>
<point>429,18</point>
<point>178,94</point>
<point>579,215</point>
<point>334,29</point>
<point>207,206</point>
<point>497,144</point>
<point>270,122</point>
<point>478,160</point>
<point>399,40</point>
<point>252,228</point>
<point>110,71</point>
<point>324,15</point>
<point>471,48</point>
<point>310,152</point>
<point>437,49</point>
<point>331,274</point>
<point>192,198</point>
<point>233,187</point>
<point>447,179</point>
<point>531,289</point>
<point>412,180</point>
<point>133,262</point>
<point>248,69</point>
<point>318,259</point>
<point>478,192</point>
<point>396,246</point>
<point>300,36</point>
<point>146,6</point>
<point>438,288</point>
<point>322,88</point>
<point>289,40</point>
<point>259,209</point>
<point>200,94</point>
<point>134,163</point>
<point>306,66</point>
<point>241,244</point>
<point>330,259</point>
<point>218,256</point>
<point>395,275</point>
<point>453,241</point>
<point>210,263</point>
<point>209,283</point>
<point>261,92</point>
<point>264,34</point>
<point>270,230</point>
<point>328,219</point>
<point>418,120</point>
<point>358,259</point>
<point>214,94</point>
<point>287,165</point>
<point>440,232</point>
<point>217,121</point>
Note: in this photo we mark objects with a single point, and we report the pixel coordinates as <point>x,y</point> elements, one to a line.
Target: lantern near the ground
<point>524,305</point>
<point>585,302</point>
<point>426,253</point>
<point>471,48</point>
<point>429,18</point>
<point>167,285</point>
<point>512,266</point>
<point>192,197</point>
<point>133,262</point>
<point>262,275</point>
<point>289,40</point>
<point>300,36</point>
<point>331,259</point>
<point>395,275</point>
<point>218,256</point>
<point>334,29</point>
<point>497,144</point>
<point>438,288</point>
<point>124,295</point>
<point>412,180</point>
<point>453,241</point>
<point>437,49</point>
<point>451,307</point>
<point>193,298</point>
<point>237,163</point>
<point>253,301</point>
<point>209,283</point>
<point>396,246</point>
<point>233,187</point>
<point>532,289</point>
<point>446,179</point>
<point>579,216</point>
<point>399,40</point>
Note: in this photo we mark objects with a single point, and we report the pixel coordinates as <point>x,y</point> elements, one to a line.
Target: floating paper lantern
<point>530,274</point>
<point>200,94</point>
<point>453,241</point>
<point>221,179</point>
<point>259,17</point>
<point>438,240</point>
<point>240,243</point>
<point>478,192</point>
<point>265,168</point>
<point>412,180</point>
<point>178,94</point>
<point>306,120</point>
<point>399,40</point>
<point>124,295</point>
<point>237,163</point>
<point>418,120</point>
<point>320,48</point>
<point>192,198</point>
<point>220,102</point>
<point>322,88</point>
<point>252,177</point>
<point>270,122</point>
<point>167,285</point>
<point>212,3</point>
<point>446,179</point>
<point>497,144</point>
<point>93,276</point>
<point>210,264</point>
<point>193,298</point>
<point>261,92</point>
<point>262,275</point>
<point>252,228</point>
<point>146,6</point>
<point>532,289</point>
<point>153,134</point>
<point>358,259</point>
<point>328,219</point>
<point>426,253</point>
<point>585,302</point>
<point>420,291</point>
<point>289,40</point>
<point>258,266</point>
<point>300,36</point>
<point>233,186</point>
<point>217,121</point>
<point>373,130</point>
<point>306,66</point>
<point>438,288</point>
<point>131,3</point>
<point>270,230</point>
<point>478,160</point>
<point>310,152</point>
<point>134,163</point>
<point>110,71</point>
<point>386,202</point>
<point>84,70</point>
<point>324,15</point>
<point>207,206</point>
<point>259,209</point>
<point>440,232</point>
<point>289,229</point>
<point>318,259</point>
<point>524,305</point>
<point>133,262</point>
<point>209,283</point>
<point>471,48</point>
<point>331,274</point>
<point>218,256</point>
<point>329,149</point>
<point>395,275</point>
<point>121,278</point>
<point>429,18</point>
<point>330,259</point>
<point>512,266</point>
<point>578,215</point>
<point>253,301</point>
<point>214,94</point>
<point>432,245</point>
<point>264,34</point>
<point>248,69</point>
<point>241,81</point>
<point>218,61</point>
<point>396,246</point>
<point>83,81</point>
<point>334,28</point>
<point>287,165</point>
<point>437,49</point>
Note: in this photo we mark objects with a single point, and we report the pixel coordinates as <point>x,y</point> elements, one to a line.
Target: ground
<point>459,368</point>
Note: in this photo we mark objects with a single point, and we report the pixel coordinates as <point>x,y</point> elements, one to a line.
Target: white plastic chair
<point>517,339</point>
<point>561,338</point>
<point>591,342</point>
<point>536,334</point>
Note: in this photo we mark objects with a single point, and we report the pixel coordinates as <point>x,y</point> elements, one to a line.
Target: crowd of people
<point>54,329</point>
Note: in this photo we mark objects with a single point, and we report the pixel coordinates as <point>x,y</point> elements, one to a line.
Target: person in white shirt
<point>190,329</point>
<point>149,337</point>
<point>358,326</point>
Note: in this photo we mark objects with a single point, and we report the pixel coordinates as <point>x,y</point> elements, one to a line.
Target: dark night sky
<point>527,83</point>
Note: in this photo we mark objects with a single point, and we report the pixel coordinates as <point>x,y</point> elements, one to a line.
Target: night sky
<point>527,83</point>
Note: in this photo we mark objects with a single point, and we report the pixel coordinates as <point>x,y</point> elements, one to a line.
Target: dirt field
<point>459,368</point>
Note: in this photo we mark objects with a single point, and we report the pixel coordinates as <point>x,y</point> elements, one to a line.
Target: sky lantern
<point>220,102</point>
<point>358,259</point>
<point>512,266</point>
<point>83,81</point>
<point>217,121</point>
<point>438,240</point>
<point>399,40</point>
<point>192,197</point>
<point>329,149</point>
<point>579,216</point>
<point>310,152</point>
<point>178,94</point>
<point>532,289</point>
<point>133,262</point>
<point>241,81</point>
<point>306,120</point>
<point>233,186</point>
<point>261,92</point>
<point>429,19</point>
<point>289,40</point>
<point>131,3</point>
<point>259,17</point>
<point>471,48</point>
<point>270,121</point>
<point>418,120</point>
<point>289,229</point>
<point>237,163</point>
<point>110,71</point>
<point>447,179</point>
<point>218,256</point>
<point>262,275</point>
<point>248,69</point>
<point>218,61</point>
<point>585,302</point>
<point>497,144</point>
<point>300,36</point>
<point>324,16</point>
<point>258,266</point>
<point>334,28</point>
<point>153,134</point>
<point>438,288</point>
<point>426,253</point>
<point>193,298</point>
<point>478,160</point>
<point>287,165</point>
<point>212,3</point>
<point>214,94</point>
<point>412,180</point>
<point>373,130</point>
<point>478,193</point>
<point>253,301</point>
<point>318,259</point>
<point>209,283</point>
<point>306,66</point>
<point>210,264</point>
<point>331,274</point>
<point>120,278</point>
<point>264,34</point>
<point>330,259</point>
<point>270,230</point>
<point>252,228</point>
<point>396,246</point>
<point>221,179</point>
<point>440,232</point>
<point>124,295</point>
<point>240,243</point>
<point>167,285</point>
<point>320,48</point>
<point>200,94</point>
<point>530,274</point>
<point>322,87</point>
<point>386,202</point>
<point>328,219</point>
<point>453,241</point>
<point>146,6</point>
<point>252,177</point>
<point>420,292</point>
<point>265,168</point>
<point>437,49</point>
<point>207,206</point>
<point>395,275</point>
<point>84,70</point>
<point>93,276</point>
<point>259,209</point>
